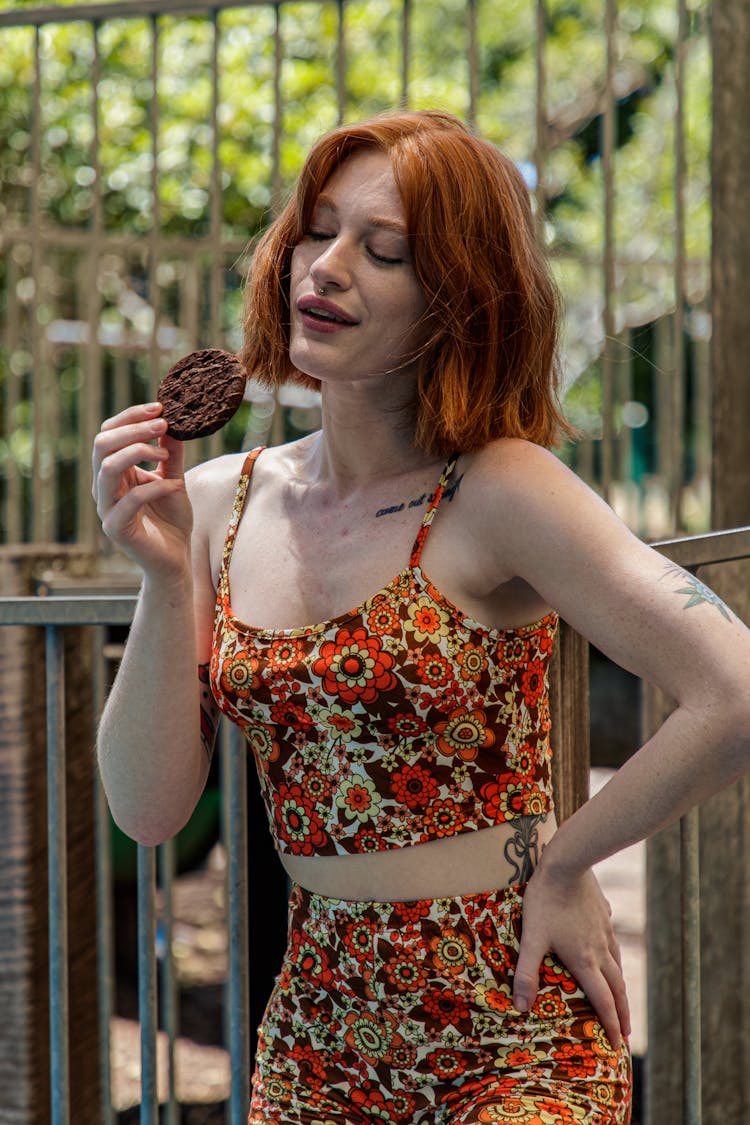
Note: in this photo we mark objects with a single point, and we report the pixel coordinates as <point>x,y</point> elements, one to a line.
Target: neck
<point>368,432</point>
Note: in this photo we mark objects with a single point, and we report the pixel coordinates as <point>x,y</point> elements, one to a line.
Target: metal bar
<point>691,967</point>
<point>341,61</point>
<point>73,610</point>
<point>12,518</point>
<point>57,876</point>
<point>147,984</point>
<point>122,9</point>
<point>278,114</point>
<point>678,357</point>
<point>154,247</point>
<point>215,442</point>
<point>405,51</point>
<point>702,550</point>
<point>234,787</point>
<point>40,431</point>
<point>473,60</point>
<point>57,236</point>
<point>170,1022</point>
<point>91,410</point>
<point>104,908</point>
<point>540,117</point>
<point>610,281</point>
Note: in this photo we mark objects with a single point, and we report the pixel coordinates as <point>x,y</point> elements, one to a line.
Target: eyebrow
<point>372,220</point>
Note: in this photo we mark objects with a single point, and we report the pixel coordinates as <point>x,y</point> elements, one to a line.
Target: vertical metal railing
<point>53,614</point>
<point>58,879</point>
<point>154,867</point>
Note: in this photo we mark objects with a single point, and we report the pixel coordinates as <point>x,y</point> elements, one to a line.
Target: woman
<point>403,746</point>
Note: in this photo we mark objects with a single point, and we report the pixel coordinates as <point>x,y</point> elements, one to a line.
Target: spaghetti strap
<point>432,507</point>
<point>240,497</point>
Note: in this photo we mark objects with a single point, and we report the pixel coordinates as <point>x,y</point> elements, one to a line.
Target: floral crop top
<point>400,722</point>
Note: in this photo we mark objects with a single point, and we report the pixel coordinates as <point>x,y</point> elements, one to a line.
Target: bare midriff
<point>470,863</point>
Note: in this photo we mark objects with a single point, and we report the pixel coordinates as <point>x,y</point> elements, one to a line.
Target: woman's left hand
<point>569,916</point>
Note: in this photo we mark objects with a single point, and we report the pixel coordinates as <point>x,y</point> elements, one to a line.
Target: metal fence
<point>146,140</point>
<point>53,614</point>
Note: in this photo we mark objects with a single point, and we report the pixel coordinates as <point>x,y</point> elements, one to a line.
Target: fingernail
<point>522,1003</point>
<point>152,407</point>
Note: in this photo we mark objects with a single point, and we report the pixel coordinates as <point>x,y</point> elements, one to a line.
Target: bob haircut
<point>489,366</point>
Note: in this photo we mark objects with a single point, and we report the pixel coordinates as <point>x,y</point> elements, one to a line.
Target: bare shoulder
<point>529,493</point>
<point>212,485</point>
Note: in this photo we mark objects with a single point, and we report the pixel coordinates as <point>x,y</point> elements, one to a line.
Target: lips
<point>322,311</point>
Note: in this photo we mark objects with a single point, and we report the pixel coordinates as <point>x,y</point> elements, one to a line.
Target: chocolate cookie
<point>201,393</point>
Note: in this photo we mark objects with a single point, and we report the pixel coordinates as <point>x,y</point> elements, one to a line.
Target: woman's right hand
<point>146,513</point>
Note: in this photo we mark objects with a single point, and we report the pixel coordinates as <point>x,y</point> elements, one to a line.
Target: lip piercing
<point>321,290</point>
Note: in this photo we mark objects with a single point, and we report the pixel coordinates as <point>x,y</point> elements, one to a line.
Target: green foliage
<point>140,138</point>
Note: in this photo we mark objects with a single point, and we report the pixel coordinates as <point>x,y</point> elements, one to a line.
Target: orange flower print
<point>283,654</point>
<point>415,786</point>
<point>597,1036</point>
<point>552,972</point>
<point>496,998</point>
<point>298,825</point>
<point>426,620</point>
<point>506,798</point>
<point>368,840</point>
<point>444,1007</point>
<point>342,724</point>
<point>444,818</point>
<point>445,1063</point>
<point>406,725</point>
<point>549,1006</point>
<point>310,960</point>
<point>294,715</point>
<point>239,674</point>
<point>514,650</point>
<point>405,973</point>
<point>533,682</point>
<point>262,743</point>
<point>383,619</point>
<point>464,733</point>
<point>472,661</point>
<point>435,671</point>
<point>354,666</point>
<point>451,951</point>
<point>358,797</point>
<point>372,1035</point>
<point>317,786</point>
<point>575,1059</point>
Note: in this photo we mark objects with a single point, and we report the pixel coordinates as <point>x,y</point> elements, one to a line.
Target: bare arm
<point>156,732</point>
<point>654,620</point>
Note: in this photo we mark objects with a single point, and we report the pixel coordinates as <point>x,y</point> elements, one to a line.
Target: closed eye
<point>385,260</point>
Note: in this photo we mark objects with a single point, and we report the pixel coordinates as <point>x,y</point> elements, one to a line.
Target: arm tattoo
<point>696,592</point>
<point>209,711</point>
<point>522,849</point>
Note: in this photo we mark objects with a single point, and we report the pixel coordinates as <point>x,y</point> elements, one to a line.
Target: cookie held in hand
<point>200,393</point>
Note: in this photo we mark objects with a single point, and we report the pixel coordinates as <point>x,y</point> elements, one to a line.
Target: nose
<point>332,267</point>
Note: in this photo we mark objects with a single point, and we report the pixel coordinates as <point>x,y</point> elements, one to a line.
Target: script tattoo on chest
<point>418,501</point>
<point>696,592</point>
<point>522,849</point>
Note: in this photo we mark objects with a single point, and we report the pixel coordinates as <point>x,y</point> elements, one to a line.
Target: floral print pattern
<point>400,722</point>
<point>402,1014</point>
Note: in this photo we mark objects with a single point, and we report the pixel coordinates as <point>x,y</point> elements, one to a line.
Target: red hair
<point>489,367</point>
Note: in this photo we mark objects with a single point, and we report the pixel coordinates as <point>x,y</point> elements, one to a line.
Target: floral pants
<point>401,1014</point>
